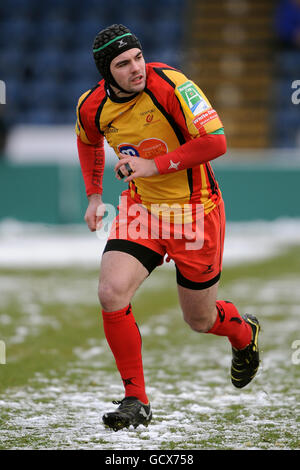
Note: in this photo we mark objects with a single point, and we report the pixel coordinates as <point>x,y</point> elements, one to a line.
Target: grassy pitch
<point>60,377</point>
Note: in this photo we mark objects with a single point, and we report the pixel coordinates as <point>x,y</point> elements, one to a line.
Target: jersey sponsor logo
<point>149,116</point>
<point>204,118</point>
<point>148,148</point>
<point>148,111</point>
<point>193,98</point>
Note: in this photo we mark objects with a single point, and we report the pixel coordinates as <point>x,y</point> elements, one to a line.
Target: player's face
<point>129,70</point>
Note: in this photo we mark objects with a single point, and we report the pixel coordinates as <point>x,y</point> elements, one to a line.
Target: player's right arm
<point>90,145</point>
<point>95,212</point>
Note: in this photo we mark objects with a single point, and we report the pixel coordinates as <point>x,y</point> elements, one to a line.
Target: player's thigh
<point>199,306</point>
<point>120,276</point>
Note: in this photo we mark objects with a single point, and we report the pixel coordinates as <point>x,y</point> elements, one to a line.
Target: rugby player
<point>165,133</point>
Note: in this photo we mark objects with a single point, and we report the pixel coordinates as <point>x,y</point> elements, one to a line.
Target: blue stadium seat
<point>47,63</point>
<point>44,93</point>
<point>288,119</point>
<point>88,27</point>
<point>41,116</point>
<point>46,48</point>
<point>54,32</point>
<point>15,8</point>
<point>76,88</point>
<point>69,92</point>
<point>11,62</point>
<point>80,64</point>
<point>14,91</point>
<point>15,31</point>
<point>286,127</point>
<point>169,30</point>
<point>281,93</point>
<point>167,56</point>
<point>288,64</point>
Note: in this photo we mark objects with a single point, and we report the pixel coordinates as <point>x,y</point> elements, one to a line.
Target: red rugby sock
<point>230,323</point>
<point>125,342</point>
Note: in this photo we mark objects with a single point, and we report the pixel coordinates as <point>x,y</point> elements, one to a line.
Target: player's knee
<point>111,294</point>
<point>107,294</point>
<point>200,326</point>
<point>200,322</point>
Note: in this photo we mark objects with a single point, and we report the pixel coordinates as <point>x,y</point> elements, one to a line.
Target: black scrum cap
<point>108,44</point>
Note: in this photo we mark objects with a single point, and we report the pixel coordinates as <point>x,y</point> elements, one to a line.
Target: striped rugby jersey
<point>169,112</point>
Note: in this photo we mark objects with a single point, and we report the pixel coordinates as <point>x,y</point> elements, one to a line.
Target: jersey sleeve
<point>90,144</point>
<point>85,127</point>
<point>92,161</point>
<point>190,107</point>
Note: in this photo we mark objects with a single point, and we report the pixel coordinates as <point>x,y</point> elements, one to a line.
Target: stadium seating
<point>286,113</point>
<point>45,49</point>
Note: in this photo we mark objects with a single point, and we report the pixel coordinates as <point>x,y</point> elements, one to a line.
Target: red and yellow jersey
<point>169,112</point>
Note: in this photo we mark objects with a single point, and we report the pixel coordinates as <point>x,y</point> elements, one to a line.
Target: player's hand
<point>94,212</point>
<point>140,168</point>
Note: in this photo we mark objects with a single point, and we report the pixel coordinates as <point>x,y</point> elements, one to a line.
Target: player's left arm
<point>194,152</point>
<point>202,127</point>
<point>199,124</point>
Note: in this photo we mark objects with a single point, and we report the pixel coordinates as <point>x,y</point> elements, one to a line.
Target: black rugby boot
<point>245,361</point>
<point>130,411</point>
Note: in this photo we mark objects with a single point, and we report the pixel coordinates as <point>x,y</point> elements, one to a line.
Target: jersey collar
<point>117,99</point>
